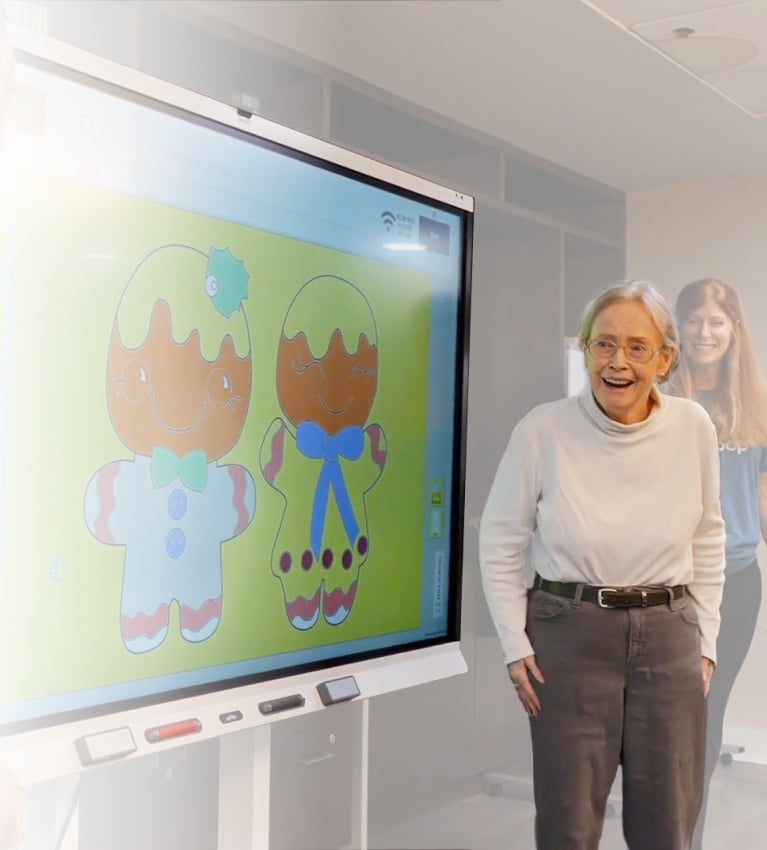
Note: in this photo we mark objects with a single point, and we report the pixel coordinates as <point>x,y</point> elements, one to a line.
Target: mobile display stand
<point>55,755</point>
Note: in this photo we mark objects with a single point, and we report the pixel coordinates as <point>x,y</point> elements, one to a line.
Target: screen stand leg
<point>243,790</point>
<point>71,838</point>
<point>244,786</point>
<point>360,756</point>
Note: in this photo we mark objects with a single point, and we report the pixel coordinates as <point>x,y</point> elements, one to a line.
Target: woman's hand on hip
<point>707,666</point>
<point>519,673</point>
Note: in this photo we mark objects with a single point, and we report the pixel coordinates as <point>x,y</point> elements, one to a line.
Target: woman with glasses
<point>719,370</point>
<point>614,496</point>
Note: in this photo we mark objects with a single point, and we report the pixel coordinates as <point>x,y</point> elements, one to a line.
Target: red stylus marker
<point>172,730</point>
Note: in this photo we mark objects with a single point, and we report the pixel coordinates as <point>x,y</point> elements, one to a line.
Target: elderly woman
<point>616,493</point>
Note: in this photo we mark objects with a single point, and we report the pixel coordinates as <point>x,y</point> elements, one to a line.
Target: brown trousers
<point>622,687</point>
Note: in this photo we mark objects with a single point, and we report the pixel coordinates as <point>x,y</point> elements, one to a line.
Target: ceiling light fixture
<point>706,54</point>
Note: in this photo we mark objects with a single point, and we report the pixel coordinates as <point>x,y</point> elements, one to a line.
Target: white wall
<point>719,229</point>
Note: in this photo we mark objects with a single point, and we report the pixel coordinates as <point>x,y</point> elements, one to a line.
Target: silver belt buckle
<point>600,601</point>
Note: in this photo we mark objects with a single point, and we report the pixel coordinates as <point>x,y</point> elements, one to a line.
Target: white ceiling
<point>563,79</point>
<point>745,22</point>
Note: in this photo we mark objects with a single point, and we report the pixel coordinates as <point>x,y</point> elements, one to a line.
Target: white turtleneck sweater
<point>605,504</point>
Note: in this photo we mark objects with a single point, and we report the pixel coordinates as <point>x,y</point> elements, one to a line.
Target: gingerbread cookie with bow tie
<point>323,457</point>
<point>178,389</point>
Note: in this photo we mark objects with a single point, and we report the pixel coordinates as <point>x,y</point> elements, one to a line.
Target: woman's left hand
<point>707,667</point>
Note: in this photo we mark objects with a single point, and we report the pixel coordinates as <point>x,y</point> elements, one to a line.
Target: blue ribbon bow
<point>192,468</point>
<point>314,441</point>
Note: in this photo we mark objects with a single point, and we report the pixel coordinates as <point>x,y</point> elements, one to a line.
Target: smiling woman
<point>614,494</point>
<point>625,355</point>
<point>719,370</point>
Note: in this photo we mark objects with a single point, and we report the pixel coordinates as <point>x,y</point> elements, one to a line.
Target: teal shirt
<point>741,469</point>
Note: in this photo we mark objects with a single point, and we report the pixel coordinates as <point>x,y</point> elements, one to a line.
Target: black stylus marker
<point>281,704</point>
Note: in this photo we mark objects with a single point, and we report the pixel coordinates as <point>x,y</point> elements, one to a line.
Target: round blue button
<point>177,504</point>
<point>175,543</point>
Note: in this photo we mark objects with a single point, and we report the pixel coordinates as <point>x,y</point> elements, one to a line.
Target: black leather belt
<point>613,597</point>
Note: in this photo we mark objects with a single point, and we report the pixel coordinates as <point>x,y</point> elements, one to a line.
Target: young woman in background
<point>718,369</point>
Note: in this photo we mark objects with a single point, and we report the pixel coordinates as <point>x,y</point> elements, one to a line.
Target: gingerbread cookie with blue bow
<point>178,390</point>
<point>324,459</point>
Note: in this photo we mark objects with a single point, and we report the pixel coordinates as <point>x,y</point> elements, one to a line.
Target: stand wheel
<point>726,758</point>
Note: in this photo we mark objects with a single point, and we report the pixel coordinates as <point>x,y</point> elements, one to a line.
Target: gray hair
<point>656,305</point>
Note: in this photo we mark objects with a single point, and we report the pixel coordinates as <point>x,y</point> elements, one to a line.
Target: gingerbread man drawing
<point>178,388</point>
<point>323,457</point>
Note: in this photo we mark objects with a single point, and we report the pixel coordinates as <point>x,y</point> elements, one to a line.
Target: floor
<point>737,820</point>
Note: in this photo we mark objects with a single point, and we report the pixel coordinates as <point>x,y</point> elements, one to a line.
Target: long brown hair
<point>739,400</point>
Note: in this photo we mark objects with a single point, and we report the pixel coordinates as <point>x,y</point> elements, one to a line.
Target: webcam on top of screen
<point>247,105</point>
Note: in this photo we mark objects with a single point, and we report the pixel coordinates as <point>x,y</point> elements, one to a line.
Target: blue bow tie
<point>314,441</point>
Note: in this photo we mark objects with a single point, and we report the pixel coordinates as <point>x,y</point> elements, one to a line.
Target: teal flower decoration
<point>226,281</point>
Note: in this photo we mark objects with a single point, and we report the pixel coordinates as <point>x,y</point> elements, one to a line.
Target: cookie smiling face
<point>327,357</point>
<point>163,393</point>
<point>335,390</point>
<point>179,370</point>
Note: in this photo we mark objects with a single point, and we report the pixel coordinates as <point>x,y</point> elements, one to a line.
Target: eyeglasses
<point>636,352</point>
